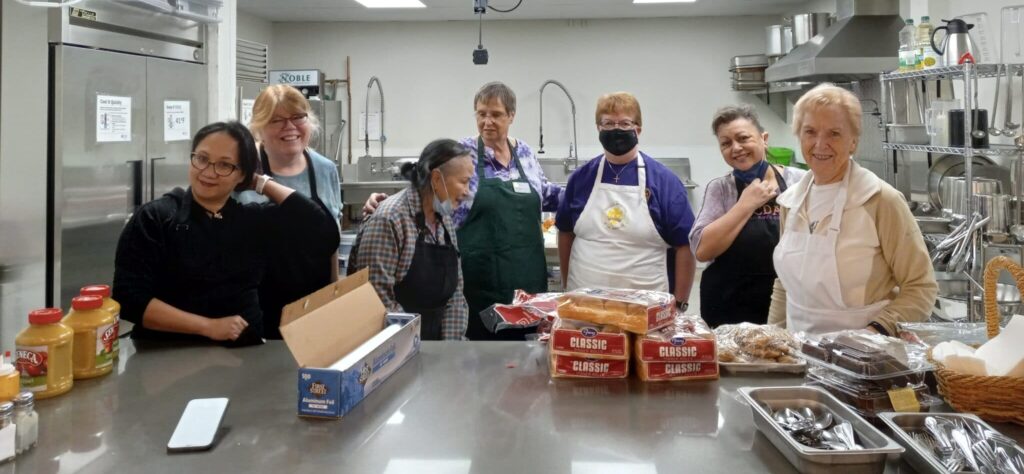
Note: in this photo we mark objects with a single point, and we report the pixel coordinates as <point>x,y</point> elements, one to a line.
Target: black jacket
<point>173,250</point>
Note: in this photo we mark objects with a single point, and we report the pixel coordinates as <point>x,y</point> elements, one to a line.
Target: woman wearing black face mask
<point>624,220</point>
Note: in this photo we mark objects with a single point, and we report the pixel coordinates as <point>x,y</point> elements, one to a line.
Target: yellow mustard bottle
<point>112,307</point>
<point>44,354</point>
<point>94,336</point>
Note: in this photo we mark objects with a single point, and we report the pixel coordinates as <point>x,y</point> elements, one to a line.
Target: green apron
<point>502,245</point>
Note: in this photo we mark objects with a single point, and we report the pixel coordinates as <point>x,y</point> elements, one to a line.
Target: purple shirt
<point>550,193</point>
<point>669,207</point>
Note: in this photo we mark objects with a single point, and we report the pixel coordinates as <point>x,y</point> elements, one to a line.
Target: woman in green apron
<point>499,224</point>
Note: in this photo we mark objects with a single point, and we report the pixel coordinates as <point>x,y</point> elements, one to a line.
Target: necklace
<point>616,173</point>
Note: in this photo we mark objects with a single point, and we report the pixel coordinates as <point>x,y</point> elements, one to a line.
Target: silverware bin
<point>878,447</point>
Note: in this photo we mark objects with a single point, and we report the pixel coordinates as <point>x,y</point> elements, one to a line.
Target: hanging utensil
<point>1009,127</point>
<point>977,131</point>
<point>993,130</point>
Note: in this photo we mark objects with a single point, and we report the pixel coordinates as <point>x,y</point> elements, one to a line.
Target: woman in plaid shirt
<point>409,243</point>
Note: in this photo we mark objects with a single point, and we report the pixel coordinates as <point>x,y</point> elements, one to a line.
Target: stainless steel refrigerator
<point>120,134</point>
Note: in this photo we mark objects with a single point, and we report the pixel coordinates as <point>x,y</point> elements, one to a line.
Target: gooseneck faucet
<point>573,159</point>
<point>366,128</point>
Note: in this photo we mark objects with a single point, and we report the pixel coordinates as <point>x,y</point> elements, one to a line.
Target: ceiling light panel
<point>392,3</point>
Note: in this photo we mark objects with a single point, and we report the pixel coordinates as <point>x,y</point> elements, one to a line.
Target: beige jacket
<point>879,243</point>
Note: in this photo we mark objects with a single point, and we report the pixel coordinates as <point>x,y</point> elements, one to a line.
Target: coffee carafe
<point>957,46</point>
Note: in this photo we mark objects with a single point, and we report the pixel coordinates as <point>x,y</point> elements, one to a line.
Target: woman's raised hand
<point>757,194</point>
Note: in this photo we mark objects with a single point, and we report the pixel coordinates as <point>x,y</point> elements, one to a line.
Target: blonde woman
<point>850,255</point>
<point>283,123</point>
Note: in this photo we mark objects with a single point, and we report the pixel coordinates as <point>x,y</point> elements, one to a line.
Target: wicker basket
<point>996,399</point>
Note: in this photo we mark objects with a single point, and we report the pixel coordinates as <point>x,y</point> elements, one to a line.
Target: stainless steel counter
<point>457,407</point>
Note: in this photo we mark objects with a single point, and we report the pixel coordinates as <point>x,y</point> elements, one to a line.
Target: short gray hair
<point>730,113</point>
<point>496,90</point>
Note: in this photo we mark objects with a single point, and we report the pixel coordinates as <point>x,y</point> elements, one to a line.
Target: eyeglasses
<point>297,119</point>
<point>483,115</point>
<point>622,125</point>
<point>221,168</point>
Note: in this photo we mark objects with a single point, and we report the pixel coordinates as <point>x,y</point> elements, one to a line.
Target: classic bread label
<point>689,350</point>
<point>596,368</point>
<point>680,370</point>
<point>588,341</point>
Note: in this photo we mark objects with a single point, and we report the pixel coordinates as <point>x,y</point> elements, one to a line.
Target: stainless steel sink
<point>369,176</point>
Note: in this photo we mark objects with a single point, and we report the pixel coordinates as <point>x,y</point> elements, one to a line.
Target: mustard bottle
<point>44,354</point>
<point>95,334</point>
<point>111,306</point>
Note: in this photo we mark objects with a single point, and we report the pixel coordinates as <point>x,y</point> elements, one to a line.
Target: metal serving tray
<point>902,424</point>
<point>878,447</point>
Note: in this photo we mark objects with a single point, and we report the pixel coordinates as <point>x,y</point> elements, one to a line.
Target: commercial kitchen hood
<point>863,42</point>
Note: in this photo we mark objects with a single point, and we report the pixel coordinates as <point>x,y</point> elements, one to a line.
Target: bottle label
<point>908,60</point>
<point>106,335</point>
<point>32,362</point>
<point>117,334</point>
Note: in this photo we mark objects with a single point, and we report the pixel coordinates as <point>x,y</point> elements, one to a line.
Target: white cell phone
<point>198,425</point>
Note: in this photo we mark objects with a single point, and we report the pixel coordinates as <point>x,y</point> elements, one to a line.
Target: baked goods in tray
<point>582,339</point>
<point>636,311</point>
<point>887,361</point>
<point>868,397</point>
<point>748,343</point>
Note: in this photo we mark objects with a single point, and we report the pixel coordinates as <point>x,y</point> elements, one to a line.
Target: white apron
<point>616,244</point>
<point>806,266</point>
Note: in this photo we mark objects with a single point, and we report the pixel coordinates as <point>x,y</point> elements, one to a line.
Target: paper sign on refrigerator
<point>247,105</point>
<point>113,119</point>
<point>176,120</point>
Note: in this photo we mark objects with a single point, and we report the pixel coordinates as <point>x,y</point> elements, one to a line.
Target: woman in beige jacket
<point>850,255</point>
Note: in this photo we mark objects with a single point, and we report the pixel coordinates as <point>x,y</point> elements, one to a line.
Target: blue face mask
<point>755,172</point>
<point>445,209</point>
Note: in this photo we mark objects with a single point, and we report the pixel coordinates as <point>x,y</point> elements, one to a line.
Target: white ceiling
<point>350,10</point>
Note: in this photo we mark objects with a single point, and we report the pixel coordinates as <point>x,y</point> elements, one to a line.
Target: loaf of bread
<point>636,311</point>
<point>669,371</point>
<point>687,339</point>
<point>564,366</point>
<point>585,339</point>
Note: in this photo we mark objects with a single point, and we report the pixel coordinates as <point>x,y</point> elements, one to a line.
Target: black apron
<point>737,286</point>
<point>293,271</point>
<point>431,280</point>
<point>502,247</point>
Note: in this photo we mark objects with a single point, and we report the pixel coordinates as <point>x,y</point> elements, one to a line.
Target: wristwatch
<point>682,305</point>
<point>261,181</point>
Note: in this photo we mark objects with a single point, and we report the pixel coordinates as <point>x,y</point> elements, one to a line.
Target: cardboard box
<point>346,344</point>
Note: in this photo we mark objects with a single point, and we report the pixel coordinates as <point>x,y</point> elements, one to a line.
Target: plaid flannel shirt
<point>386,244</point>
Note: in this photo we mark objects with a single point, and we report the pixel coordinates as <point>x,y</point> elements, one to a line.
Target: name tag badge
<point>521,187</point>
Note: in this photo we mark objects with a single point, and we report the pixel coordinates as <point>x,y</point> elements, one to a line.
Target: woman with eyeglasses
<point>410,247</point>
<point>625,219</point>
<point>284,123</point>
<point>738,225</point>
<point>498,223</point>
<point>188,264</point>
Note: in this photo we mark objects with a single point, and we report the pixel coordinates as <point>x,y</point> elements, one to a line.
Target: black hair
<point>434,155</point>
<point>248,156</point>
